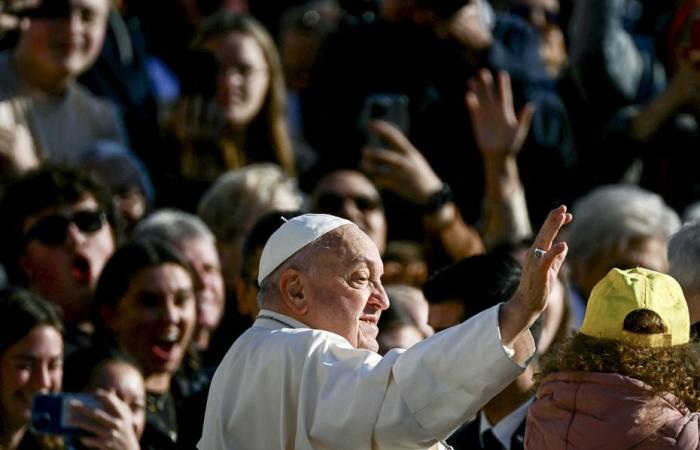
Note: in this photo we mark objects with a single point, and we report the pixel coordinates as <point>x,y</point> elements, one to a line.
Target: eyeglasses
<point>334,202</point>
<point>52,230</point>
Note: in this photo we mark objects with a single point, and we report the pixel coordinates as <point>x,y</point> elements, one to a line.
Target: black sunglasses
<point>53,230</point>
<point>334,202</point>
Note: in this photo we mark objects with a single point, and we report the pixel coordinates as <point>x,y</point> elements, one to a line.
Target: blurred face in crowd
<point>128,384</point>
<point>155,319</point>
<point>643,251</point>
<point>544,15</point>
<point>446,314</point>
<point>418,307</point>
<point>202,255</point>
<point>66,46</point>
<point>231,247</point>
<point>247,287</point>
<point>344,289</point>
<point>65,250</point>
<point>540,13</point>
<point>298,51</point>
<point>352,196</point>
<point>244,77</point>
<point>405,336</point>
<point>32,365</point>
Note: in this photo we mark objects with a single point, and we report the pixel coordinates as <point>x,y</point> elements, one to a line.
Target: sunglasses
<point>334,202</point>
<point>53,230</point>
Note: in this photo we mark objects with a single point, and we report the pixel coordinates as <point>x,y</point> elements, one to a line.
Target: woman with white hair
<point>621,226</point>
<point>236,200</point>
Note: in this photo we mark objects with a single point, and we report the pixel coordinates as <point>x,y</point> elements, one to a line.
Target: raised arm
<point>500,136</point>
<point>541,266</point>
<point>402,169</point>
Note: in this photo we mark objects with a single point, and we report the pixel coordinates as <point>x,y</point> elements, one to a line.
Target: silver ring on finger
<point>539,253</point>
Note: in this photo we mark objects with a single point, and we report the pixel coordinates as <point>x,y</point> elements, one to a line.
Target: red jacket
<point>590,410</point>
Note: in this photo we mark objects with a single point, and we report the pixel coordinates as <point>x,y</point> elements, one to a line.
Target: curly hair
<point>670,369</point>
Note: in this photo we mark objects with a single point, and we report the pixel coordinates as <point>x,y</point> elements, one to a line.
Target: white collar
<point>503,430</point>
<point>271,319</point>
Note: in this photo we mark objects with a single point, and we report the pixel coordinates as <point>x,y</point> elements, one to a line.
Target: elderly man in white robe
<point>306,375</point>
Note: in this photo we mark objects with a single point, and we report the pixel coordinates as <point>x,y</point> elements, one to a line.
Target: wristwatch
<point>438,200</point>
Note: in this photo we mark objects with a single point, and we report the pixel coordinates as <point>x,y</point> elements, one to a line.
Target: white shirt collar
<point>272,320</point>
<point>507,426</point>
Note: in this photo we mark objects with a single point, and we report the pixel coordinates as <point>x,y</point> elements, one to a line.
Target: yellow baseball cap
<point>624,291</point>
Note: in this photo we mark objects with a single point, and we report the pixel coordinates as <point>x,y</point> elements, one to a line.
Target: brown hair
<point>671,369</point>
<point>270,124</point>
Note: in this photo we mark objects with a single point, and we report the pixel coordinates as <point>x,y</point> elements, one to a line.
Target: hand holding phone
<point>392,108</point>
<point>53,414</point>
<point>101,420</point>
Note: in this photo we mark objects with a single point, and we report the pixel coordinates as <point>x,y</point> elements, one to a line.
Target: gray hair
<point>684,257</point>
<point>610,216</point>
<point>239,197</point>
<point>172,225</point>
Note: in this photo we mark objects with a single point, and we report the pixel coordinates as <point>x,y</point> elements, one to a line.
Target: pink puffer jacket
<point>578,410</point>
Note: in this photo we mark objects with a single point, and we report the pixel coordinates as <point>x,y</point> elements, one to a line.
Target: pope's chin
<point>367,336</point>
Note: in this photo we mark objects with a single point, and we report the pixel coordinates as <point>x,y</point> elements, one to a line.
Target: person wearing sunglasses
<point>351,195</point>
<point>58,231</point>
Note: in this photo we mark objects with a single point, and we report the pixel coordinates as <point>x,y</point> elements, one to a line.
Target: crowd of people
<point>250,224</point>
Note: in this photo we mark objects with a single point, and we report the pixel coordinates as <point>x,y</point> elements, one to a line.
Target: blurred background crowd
<point>149,148</point>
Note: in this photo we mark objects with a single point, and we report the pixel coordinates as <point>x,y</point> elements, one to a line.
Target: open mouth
<point>80,269</point>
<point>165,346</point>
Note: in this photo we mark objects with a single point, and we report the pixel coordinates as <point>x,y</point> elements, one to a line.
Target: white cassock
<point>283,385</point>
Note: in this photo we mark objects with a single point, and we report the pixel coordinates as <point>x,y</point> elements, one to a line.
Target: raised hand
<point>400,168</point>
<point>541,266</point>
<point>497,129</point>
<point>17,154</point>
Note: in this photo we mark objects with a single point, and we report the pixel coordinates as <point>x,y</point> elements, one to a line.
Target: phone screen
<point>391,108</point>
<point>51,413</point>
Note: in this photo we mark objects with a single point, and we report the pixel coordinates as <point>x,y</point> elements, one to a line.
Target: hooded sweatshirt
<point>590,410</point>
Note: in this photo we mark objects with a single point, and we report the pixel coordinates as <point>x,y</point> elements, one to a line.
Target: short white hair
<point>684,257</point>
<point>612,215</point>
<point>239,197</point>
<point>172,225</point>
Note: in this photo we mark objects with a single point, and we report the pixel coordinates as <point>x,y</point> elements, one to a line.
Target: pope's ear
<point>291,285</point>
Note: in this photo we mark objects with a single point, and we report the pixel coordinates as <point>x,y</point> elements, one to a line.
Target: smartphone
<point>51,413</point>
<point>388,107</point>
